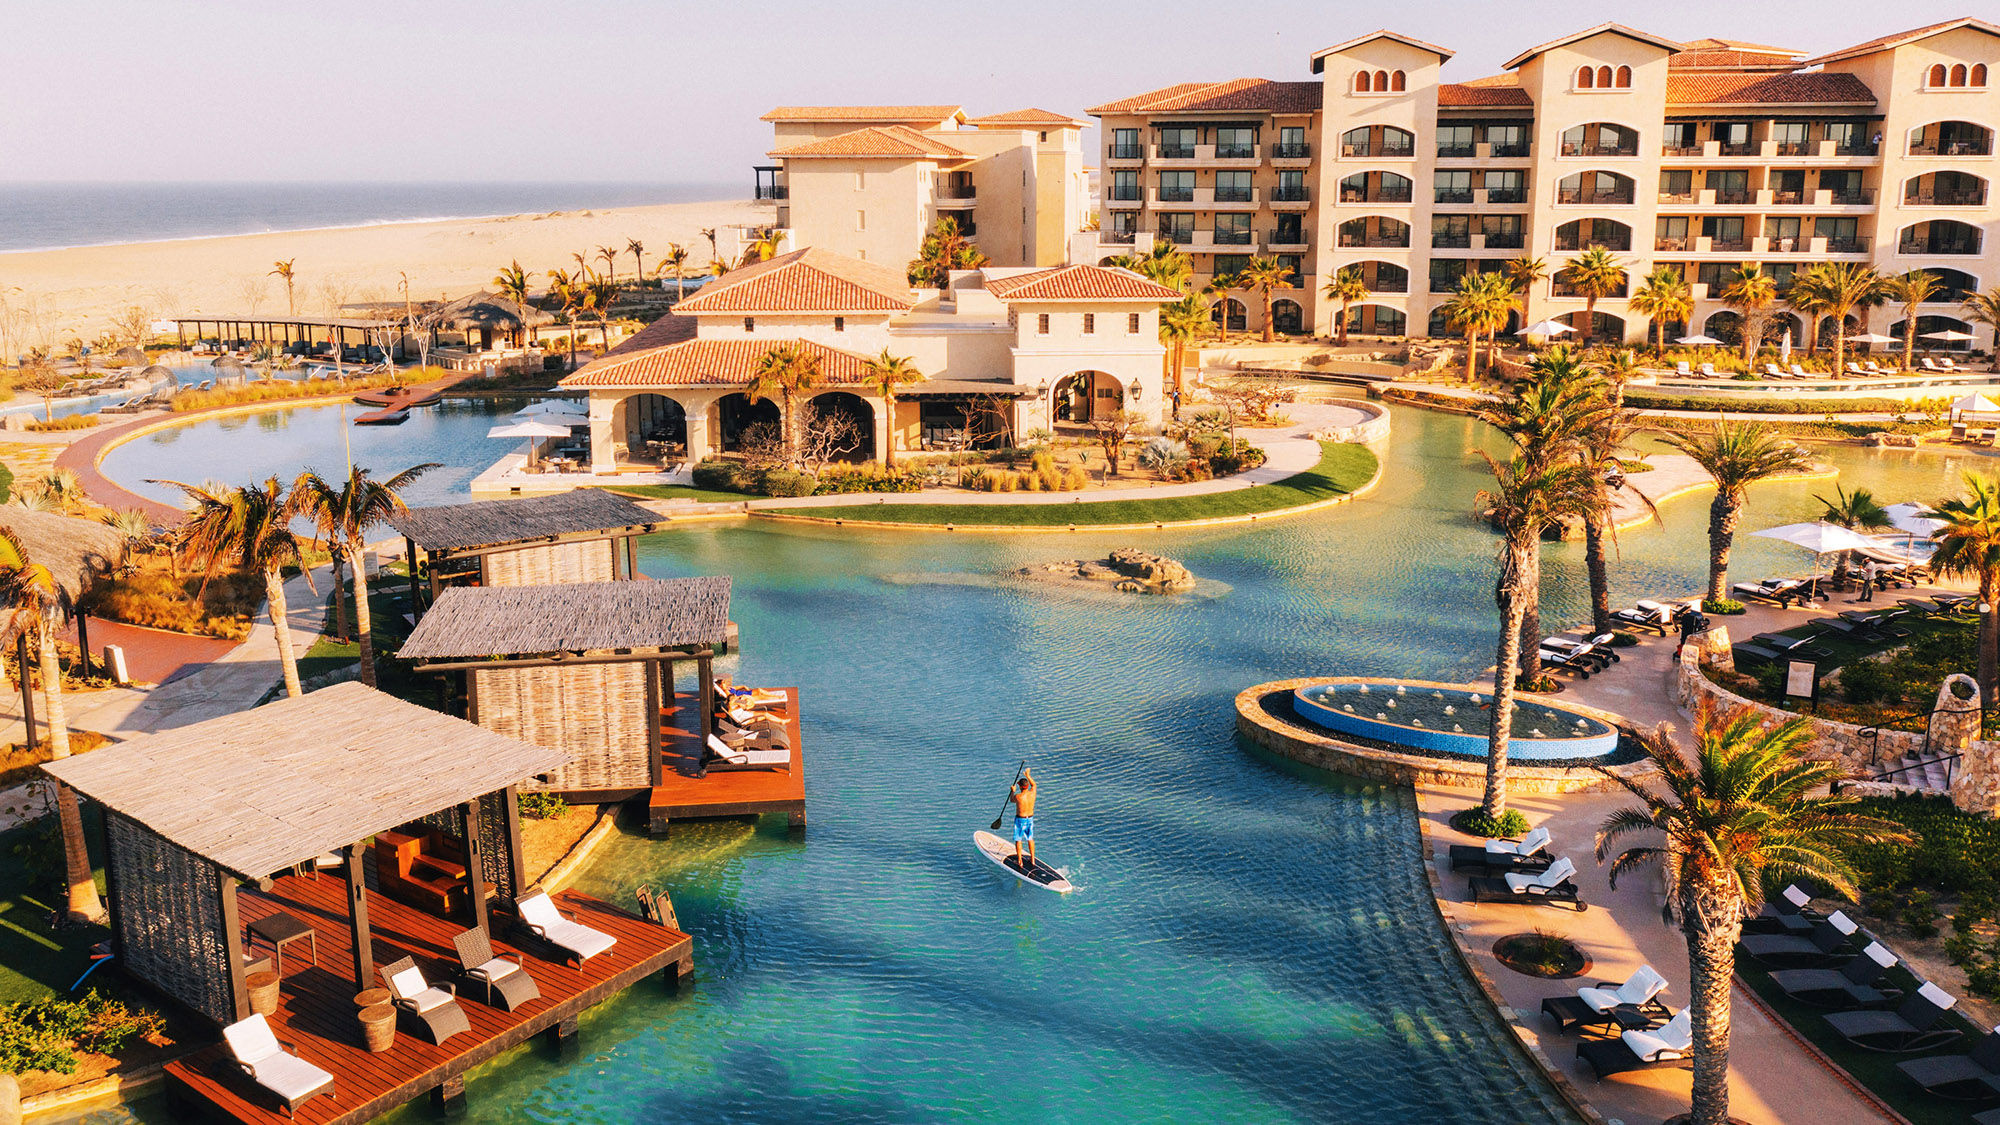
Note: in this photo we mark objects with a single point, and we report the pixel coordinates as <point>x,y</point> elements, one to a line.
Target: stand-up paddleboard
<point>1036,874</point>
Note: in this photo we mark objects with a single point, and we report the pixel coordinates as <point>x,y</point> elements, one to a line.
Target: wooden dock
<point>316,1011</point>
<point>684,793</point>
<point>387,416</point>
<point>426,395</point>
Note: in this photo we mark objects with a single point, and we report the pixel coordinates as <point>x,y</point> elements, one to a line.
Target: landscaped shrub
<point>785,482</point>
<point>1920,914</point>
<point>725,476</point>
<point>1235,459</point>
<point>47,1034</point>
<point>1956,853</point>
<point>1721,607</point>
<point>153,598</point>
<point>66,422</point>
<point>1475,822</point>
<point>1865,681</point>
<point>542,806</point>
<point>869,477</point>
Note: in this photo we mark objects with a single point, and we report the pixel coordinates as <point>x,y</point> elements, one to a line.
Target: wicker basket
<point>378,1027</point>
<point>263,988</point>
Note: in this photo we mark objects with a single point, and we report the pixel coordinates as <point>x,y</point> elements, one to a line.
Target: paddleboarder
<point>1023,797</point>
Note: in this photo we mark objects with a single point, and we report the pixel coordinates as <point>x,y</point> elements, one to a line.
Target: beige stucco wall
<point>875,210</point>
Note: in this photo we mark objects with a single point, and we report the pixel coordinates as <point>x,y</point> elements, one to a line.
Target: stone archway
<point>1231,315</point>
<point>735,413</point>
<point>644,422</point>
<point>1084,396</point>
<point>856,410</point>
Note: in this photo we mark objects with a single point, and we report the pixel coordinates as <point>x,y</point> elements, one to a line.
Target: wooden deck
<point>683,794</point>
<point>316,1012</point>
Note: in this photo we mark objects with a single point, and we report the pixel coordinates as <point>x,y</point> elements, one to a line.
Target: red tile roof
<point>1712,44</point>
<point>1613,28</point>
<point>1722,59</point>
<point>1815,88</point>
<point>1901,38</point>
<point>1026,119</point>
<point>1251,94</point>
<point>1498,90</point>
<point>1080,283</point>
<point>804,281</point>
<point>1443,54</point>
<point>898,142</point>
<point>669,329</point>
<point>874,114</point>
<point>711,363</point>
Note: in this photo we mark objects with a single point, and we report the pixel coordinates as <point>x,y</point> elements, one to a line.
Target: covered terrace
<point>585,535</point>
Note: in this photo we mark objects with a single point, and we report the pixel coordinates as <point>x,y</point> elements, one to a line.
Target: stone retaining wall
<point>1374,429</point>
<point>1321,750</point>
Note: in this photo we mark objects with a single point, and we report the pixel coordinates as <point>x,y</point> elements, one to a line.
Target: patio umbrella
<point>1698,341</point>
<point>532,429</point>
<point>1914,520</point>
<point>553,408</point>
<point>1949,335</point>
<point>1545,328</point>
<point>1972,404</point>
<point>1871,338</point>
<point>1785,349</point>
<point>1820,538</point>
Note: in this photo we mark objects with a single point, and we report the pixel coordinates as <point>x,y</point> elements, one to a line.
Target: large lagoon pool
<point>1251,940</point>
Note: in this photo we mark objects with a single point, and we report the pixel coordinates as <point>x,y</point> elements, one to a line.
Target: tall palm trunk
<point>889,431</point>
<point>339,606</point>
<point>1989,633</point>
<point>77,876</point>
<point>363,620</point>
<point>1723,512</point>
<point>1596,528</point>
<point>1344,307</point>
<point>1471,355</point>
<point>1269,333</point>
<point>1528,587</point>
<point>1711,923</point>
<point>274,589</point>
<point>1508,654</point>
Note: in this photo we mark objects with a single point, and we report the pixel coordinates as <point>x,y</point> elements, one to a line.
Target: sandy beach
<point>76,292</point>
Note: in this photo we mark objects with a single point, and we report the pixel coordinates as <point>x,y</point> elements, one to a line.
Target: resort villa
<point>1002,350</point>
<point>1699,155</point>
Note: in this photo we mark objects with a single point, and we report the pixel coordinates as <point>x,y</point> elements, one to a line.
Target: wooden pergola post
<point>232,944</point>
<point>659,686</point>
<point>410,561</point>
<point>83,640</point>
<point>517,872</point>
<point>357,914</point>
<point>705,694</point>
<point>475,866</point>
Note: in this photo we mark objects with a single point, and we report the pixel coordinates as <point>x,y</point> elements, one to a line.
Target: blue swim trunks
<point>1024,828</point>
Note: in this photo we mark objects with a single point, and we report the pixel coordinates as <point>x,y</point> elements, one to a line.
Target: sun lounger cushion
<point>1902,1029</point>
<point>1638,989</point>
<point>1670,1041</point>
<point>410,985</point>
<point>1558,871</point>
<point>539,913</point>
<point>1976,1073</point>
<point>751,757</point>
<point>265,1060</point>
<point>1529,844</point>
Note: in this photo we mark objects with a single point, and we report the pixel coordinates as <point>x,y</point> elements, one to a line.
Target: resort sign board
<point>1802,680</point>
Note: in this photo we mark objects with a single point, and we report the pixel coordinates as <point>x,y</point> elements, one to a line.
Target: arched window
<point>1979,74</point>
<point>1624,81</point>
<point>1396,82</point>
<point>1586,78</point>
<point>1958,75</point>
<point>1362,82</point>
<point>1936,76</point>
<point>1381,81</point>
<point>1604,78</point>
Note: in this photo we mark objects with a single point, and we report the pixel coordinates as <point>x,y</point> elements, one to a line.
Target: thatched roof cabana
<point>77,551</point>
<point>191,812</point>
<point>579,617</point>
<point>491,310</point>
<point>576,536</point>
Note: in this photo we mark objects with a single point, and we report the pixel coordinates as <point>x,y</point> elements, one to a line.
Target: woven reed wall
<point>595,713</point>
<point>587,560</point>
<point>169,918</point>
<point>494,845</point>
<point>449,820</point>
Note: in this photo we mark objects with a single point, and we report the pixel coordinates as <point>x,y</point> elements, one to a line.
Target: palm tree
<point>285,273</point>
<point>569,297</point>
<point>1810,297</point>
<point>1911,290</point>
<point>1524,273</point>
<point>343,514</point>
<point>1750,809</point>
<point>676,259</point>
<point>1849,285</point>
<point>1969,544</point>
<point>609,256</point>
<point>885,373</point>
<point>33,598</point>
<point>1735,454</point>
<point>1752,292</point>
<point>1665,296</point>
<point>766,245</point>
<point>1594,274</point>
<point>1984,308</point>
<point>1479,304</point>
<point>637,249</point>
<point>1854,511</point>
<point>1182,323</point>
<point>1165,264</point>
<point>1525,498</point>
<point>599,294</point>
<point>1600,451</point>
<point>1347,287</point>
<point>717,267</point>
<point>248,528</point>
<point>944,249</point>
<point>512,283</point>
<point>1264,275</point>
<point>714,251</point>
<point>784,372</point>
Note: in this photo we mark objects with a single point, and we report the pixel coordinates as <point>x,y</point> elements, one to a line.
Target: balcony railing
<point>1952,148</point>
<point>1678,244</point>
<point>1729,245</point>
<point>1786,197</point>
<point>1677,197</point>
<point>1451,240</point>
<point>1733,196</point>
<point>1232,238</point>
<point>1117,237</point>
<point>1671,149</point>
<point>1948,199</point>
<point>1854,148</point>
<point>947,189</point>
<point>1290,152</point>
<point>1517,149</point>
<point>1853,244</point>
<point>1174,152</point>
<point>1128,152</point>
<point>1385,150</point>
<point>1506,195</point>
<point>1503,240</point>
<point>1235,152</point>
<point>1569,149</point>
<point>1448,151</point>
<point>772,191</point>
<point>1178,236</point>
<point>1797,148</point>
<point>1577,195</point>
<point>1574,243</point>
<point>1937,246</point>
<point>1284,194</point>
<point>1235,195</point>
<point>1376,241</point>
<point>1176,195</point>
<point>1379,195</point>
<point>1125,193</point>
<point>1455,196</point>
<point>1860,197</point>
<point>1389,284</point>
<point>1286,237</point>
<point>1735,148</point>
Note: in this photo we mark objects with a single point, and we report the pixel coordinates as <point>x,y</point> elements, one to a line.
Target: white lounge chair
<point>260,1056</point>
<point>1928,364</point>
<point>434,1007</point>
<point>1683,370</point>
<point>1948,363</point>
<point>1558,871</point>
<point>1535,841</point>
<point>1670,1040</point>
<point>1637,991</point>
<point>1854,368</point>
<point>539,914</point>
<point>1557,884</point>
<point>1708,371</point>
<point>1800,372</point>
<point>724,757</point>
<point>1772,371</point>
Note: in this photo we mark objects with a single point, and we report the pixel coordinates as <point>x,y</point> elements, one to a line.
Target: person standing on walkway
<point>1867,581</point>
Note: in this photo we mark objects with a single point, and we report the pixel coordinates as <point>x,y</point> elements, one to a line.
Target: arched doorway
<point>1231,315</point>
<point>1085,396</point>
<point>735,413</point>
<point>1604,327</point>
<point>1376,320</point>
<point>1829,328</point>
<point>1287,318</point>
<point>1930,324</point>
<point>1726,326</point>
<point>850,430</point>
<point>648,425</point>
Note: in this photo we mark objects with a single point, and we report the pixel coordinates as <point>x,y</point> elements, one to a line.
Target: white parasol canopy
<point>1819,538</point>
<point>1872,338</point>
<point>1952,335</point>
<point>1913,518</point>
<point>554,408</point>
<point>1545,328</point>
<point>531,428</point>
<point>1976,402</point>
<point>1699,341</point>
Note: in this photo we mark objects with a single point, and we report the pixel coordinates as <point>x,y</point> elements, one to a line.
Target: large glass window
<point>1452,187</point>
<point>1455,140</point>
<point>1508,140</point>
<point>1125,144</point>
<point>1677,186</point>
<point>1506,187</point>
<point>1177,227</point>
<point>1791,137</point>
<point>1670,232</point>
<point>1785,235</point>
<point>1681,138</point>
<point>1502,232</point>
<point>1291,186</point>
<point>1233,187</point>
<point>1733,137</point>
<point>1845,187</point>
<point>1232,230</point>
<point>1729,186</point>
<point>1235,142</point>
<point>1177,187</point>
<point>1453,232</point>
<point>1291,142</point>
<point>1177,142</point>
<point>1125,184</point>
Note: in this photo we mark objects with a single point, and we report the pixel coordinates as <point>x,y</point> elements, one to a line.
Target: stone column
<point>1975,786</point>
<point>602,412</point>
<point>1955,717</point>
<point>885,430</point>
<point>696,413</point>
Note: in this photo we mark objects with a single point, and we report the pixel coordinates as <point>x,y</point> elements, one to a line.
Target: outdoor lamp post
<point>1048,411</point>
<point>1134,388</point>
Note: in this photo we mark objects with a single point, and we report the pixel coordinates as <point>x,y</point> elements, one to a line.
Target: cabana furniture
<point>1973,1076</point>
<point>1708,371</point>
<point>1850,986</point>
<point>1789,645</point>
<point>426,870</point>
<point>1800,372</point>
<point>1668,1047</point>
<point>435,1007</point>
<point>282,929</point>
<point>1826,945</point>
<point>504,980</point>
<point>1781,592</point>
<point>1633,1005</point>
<point>540,917</point>
<point>723,757</point>
<point>1911,1027</point>
<point>1682,369</point>
<point>263,1060</point>
<point>1655,616</point>
<point>584,535</point>
<point>1530,853</point>
<point>1557,884</point>
<point>1789,913</point>
<point>585,667</point>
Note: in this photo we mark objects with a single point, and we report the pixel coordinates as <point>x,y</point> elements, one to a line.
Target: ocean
<point>47,216</point>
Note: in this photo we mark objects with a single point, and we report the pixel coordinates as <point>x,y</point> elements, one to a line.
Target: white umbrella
<point>1913,518</point>
<point>1785,349</point>
<point>1974,402</point>
<point>1545,328</point>
<point>1871,338</point>
<point>532,429</point>
<point>1819,538</point>
<point>553,408</point>
<point>1699,341</point>
<point>1951,335</point>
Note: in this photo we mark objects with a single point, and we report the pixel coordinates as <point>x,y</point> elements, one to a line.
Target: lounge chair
<point>1744,650</point>
<point>1789,913</point>
<point>1926,364</point>
<point>432,1005</point>
<point>1530,853</point>
<point>1683,370</point>
<point>1790,645</point>
<point>539,915</point>
<point>1850,986</point>
<point>1779,592</point>
<point>1602,1005</point>
<point>1708,371</point>
<point>1972,1077</point>
<point>1557,884</point>
<point>1911,1027</point>
<point>752,738</point>
<point>1668,1047</point>
<point>1948,363</point>
<point>1854,368</point>
<point>1771,371</point>
<point>1656,616</point>
<point>504,979</point>
<point>1578,663</point>
<point>1827,945</point>
<point>724,757</point>
<point>1597,650</point>
<point>1800,372</point>
<point>265,1061</point>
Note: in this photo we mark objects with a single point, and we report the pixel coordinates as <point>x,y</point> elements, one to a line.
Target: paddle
<point>1010,793</point>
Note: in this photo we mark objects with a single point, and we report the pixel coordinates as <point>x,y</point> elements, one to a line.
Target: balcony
<point>1793,148</point>
<point>1233,238</point>
<point>1620,246</point>
<point>1853,244</point>
<point>1735,148</point>
<point>1677,196</point>
<point>1177,236</point>
<point>1937,246</point>
<point>1205,198</point>
<point>1676,244</point>
<point>1375,241</point>
<point>1593,198</point>
<point>1451,240</point>
<point>1681,150</point>
<point>1952,148</point>
<point>1454,197</point>
<point>1286,239</point>
<point>1234,152</point>
<point>1125,193</point>
<point>1597,150</point>
<point>951,192</point>
<point>1732,197</point>
<point>1507,195</point>
<point>1860,197</point>
<point>1126,152</point>
<point>772,191</point>
<point>1787,197</point>
<point>1946,199</point>
<point>1116,237</point>
<point>1294,194</point>
<point>1235,195</point>
<point>1514,151</point>
<point>1207,154</point>
<point>1501,240</point>
<point>1850,148</point>
<point>1457,152</point>
<point>1737,245</point>
<point>1291,152</point>
<point>1383,284</point>
<point>1385,151</point>
<point>1378,195</point>
<point>1213,241</point>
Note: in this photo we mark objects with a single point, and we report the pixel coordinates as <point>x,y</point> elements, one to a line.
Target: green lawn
<point>1341,469</point>
<point>678,492</point>
<point>34,961</point>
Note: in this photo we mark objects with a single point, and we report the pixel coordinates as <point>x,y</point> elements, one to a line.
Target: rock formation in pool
<point>1126,569</point>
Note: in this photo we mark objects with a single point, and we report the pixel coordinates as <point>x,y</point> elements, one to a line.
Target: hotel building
<point>1700,155</point>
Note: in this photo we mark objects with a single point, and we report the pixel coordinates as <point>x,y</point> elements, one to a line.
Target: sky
<point>632,91</point>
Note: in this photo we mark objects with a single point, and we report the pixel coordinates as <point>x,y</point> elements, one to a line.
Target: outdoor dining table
<point>282,929</point>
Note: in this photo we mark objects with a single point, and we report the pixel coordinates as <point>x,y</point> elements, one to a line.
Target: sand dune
<point>65,293</point>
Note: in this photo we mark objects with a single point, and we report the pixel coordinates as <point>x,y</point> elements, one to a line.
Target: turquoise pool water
<point>1250,940</point>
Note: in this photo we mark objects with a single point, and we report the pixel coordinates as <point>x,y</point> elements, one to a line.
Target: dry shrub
<point>18,762</point>
<point>153,598</point>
